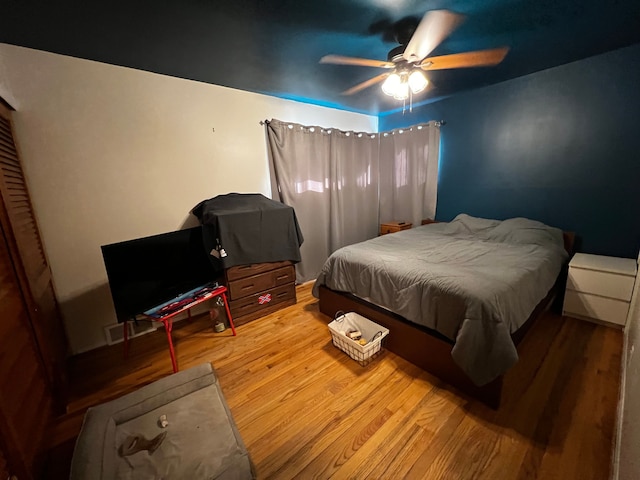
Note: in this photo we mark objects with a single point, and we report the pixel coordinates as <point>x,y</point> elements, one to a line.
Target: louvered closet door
<point>25,395</point>
<point>4,468</point>
<point>33,270</point>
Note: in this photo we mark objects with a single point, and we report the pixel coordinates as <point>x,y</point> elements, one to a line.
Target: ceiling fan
<point>408,61</point>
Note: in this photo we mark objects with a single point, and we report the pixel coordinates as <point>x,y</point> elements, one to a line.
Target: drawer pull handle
<point>247,287</point>
<point>282,277</point>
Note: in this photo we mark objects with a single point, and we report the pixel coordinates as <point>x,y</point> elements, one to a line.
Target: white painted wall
<point>626,457</point>
<point>113,153</point>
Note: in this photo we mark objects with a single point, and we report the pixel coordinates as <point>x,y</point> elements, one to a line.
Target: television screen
<point>147,272</point>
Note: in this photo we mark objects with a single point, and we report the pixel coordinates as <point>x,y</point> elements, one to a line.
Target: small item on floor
<point>219,327</point>
<point>138,443</point>
<point>362,342</point>
<point>354,334</point>
<point>162,421</point>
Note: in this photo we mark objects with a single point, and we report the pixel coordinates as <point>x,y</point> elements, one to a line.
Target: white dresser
<point>600,287</point>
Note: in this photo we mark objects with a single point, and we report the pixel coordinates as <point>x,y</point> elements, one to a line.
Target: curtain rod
<point>438,123</point>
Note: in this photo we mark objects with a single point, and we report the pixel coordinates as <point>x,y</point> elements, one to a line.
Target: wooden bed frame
<point>427,348</point>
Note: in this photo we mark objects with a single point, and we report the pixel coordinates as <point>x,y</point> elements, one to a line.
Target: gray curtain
<point>409,173</point>
<point>330,178</point>
<point>343,184</point>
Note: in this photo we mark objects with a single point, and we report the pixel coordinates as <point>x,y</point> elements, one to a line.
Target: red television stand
<point>166,316</point>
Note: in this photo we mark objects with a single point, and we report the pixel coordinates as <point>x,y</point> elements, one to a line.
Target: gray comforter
<point>474,280</point>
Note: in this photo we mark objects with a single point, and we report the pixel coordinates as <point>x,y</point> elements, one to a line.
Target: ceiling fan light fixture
<point>417,81</point>
<point>390,85</point>
<point>402,91</point>
<point>396,86</point>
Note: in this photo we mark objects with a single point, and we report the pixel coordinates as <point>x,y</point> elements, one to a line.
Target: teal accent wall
<point>561,146</point>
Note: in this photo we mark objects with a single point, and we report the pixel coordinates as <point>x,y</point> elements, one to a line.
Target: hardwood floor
<point>306,410</point>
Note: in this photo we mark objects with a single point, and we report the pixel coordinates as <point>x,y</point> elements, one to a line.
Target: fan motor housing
<point>395,54</point>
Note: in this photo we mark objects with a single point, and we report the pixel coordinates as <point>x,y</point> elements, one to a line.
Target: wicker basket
<point>371,331</point>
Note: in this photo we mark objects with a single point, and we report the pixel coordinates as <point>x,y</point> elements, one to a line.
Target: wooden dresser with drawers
<point>393,227</point>
<point>259,289</point>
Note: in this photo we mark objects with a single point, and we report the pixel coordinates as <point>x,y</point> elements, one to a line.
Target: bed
<point>457,296</point>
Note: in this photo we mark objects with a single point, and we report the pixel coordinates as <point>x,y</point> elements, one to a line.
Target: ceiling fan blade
<point>435,26</point>
<point>367,84</point>
<point>479,58</point>
<point>362,62</point>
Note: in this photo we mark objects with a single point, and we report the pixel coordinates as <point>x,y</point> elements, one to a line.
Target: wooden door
<point>25,247</point>
<point>25,394</point>
<point>4,468</point>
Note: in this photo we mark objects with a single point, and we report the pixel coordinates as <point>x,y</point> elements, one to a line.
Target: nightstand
<point>600,288</point>
<point>393,227</point>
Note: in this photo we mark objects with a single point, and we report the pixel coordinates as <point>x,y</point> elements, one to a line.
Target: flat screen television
<point>149,271</point>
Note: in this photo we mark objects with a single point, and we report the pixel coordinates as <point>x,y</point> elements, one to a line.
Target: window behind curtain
<point>342,184</point>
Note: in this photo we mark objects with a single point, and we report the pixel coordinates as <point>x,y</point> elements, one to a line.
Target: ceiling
<point>273,46</point>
